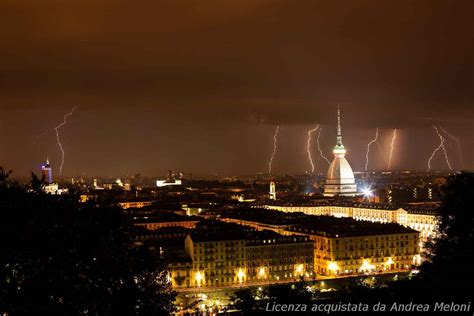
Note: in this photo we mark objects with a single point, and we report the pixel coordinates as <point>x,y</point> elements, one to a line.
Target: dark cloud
<point>155,76</point>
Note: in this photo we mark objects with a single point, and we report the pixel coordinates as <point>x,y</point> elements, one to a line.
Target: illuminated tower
<point>340,179</point>
<point>47,172</point>
<point>273,194</point>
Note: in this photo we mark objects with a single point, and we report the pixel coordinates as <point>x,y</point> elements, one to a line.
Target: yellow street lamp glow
<point>332,266</point>
<point>199,277</point>
<point>299,269</point>
<point>417,260</point>
<point>261,272</point>
<point>240,275</point>
<point>366,265</point>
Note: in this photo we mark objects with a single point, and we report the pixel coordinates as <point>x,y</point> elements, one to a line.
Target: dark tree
<point>252,301</point>
<point>61,257</point>
<point>244,301</point>
<point>448,270</point>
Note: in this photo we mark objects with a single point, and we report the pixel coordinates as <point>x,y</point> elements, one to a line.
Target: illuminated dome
<point>340,170</point>
<point>340,180</point>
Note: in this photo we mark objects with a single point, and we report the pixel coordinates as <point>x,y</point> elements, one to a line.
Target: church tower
<point>340,180</point>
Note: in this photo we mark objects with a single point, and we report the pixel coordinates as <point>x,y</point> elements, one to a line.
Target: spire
<point>339,131</point>
<point>339,149</point>
<point>47,160</point>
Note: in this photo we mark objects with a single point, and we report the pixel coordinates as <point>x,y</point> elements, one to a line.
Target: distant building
<point>134,204</point>
<point>170,180</point>
<point>379,248</point>
<point>165,183</point>
<point>273,191</point>
<point>340,180</point>
<point>412,194</point>
<point>53,188</point>
<point>47,177</point>
<point>159,220</point>
<point>47,172</point>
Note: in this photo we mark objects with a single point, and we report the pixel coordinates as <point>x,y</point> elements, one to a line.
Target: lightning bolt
<point>319,147</point>
<point>56,129</point>
<point>440,146</point>
<point>368,148</point>
<point>308,146</point>
<point>275,140</point>
<point>392,148</point>
<point>457,142</point>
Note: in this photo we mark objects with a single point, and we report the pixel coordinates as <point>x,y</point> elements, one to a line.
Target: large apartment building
<point>341,245</point>
<point>424,221</point>
<point>352,250</point>
<point>232,256</point>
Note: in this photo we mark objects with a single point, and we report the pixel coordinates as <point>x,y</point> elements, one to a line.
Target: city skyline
<point>199,157</point>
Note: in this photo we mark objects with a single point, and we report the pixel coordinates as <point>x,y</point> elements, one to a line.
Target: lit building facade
<point>134,204</point>
<point>154,224</point>
<point>226,262</point>
<point>280,258</point>
<point>340,179</point>
<point>388,249</point>
<point>348,255</point>
<point>424,222</point>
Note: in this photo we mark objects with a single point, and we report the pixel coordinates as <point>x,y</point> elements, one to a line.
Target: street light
<point>240,275</point>
<point>198,277</point>
<point>367,192</point>
<point>299,269</point>
<point>333,266</point>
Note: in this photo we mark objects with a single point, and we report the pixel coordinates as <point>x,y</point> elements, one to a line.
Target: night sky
<point>199,86</point>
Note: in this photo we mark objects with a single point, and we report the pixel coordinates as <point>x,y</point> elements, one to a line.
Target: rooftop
<point>319,225</point>
<point>161,217</point>
<point>418,208</point>
<point>230,231</point>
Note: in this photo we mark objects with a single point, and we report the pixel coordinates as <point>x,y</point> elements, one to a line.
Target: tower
<point>273,195</point>
<point>47,172</point>
<point>340,180</point>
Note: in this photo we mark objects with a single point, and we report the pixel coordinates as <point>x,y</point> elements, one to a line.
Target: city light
<point>261,272</point>
<point>332,266</point>
<point>367,192</point>
<point>366,266</point>
<point>240,275</point>
<point>417,260</point>
<point>299,269</point>
<point>199,277</point>
<point>389,262</point>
